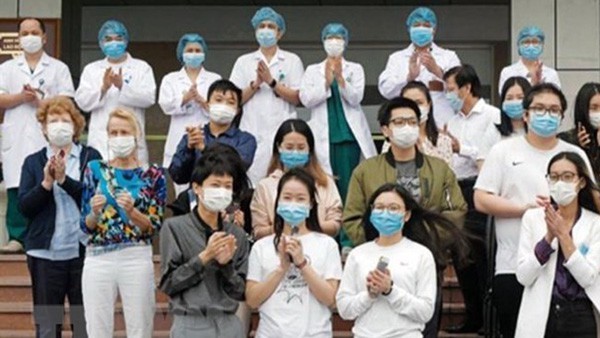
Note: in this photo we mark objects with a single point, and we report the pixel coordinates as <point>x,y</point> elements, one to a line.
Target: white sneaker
<point>12,247</point>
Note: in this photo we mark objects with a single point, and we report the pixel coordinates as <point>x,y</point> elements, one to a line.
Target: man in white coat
<point>25,82</point>
<point>333,90</point>
<point>530,44</point>
<point>423,61</point>
<point>117,81</point>
<point>270,81</point>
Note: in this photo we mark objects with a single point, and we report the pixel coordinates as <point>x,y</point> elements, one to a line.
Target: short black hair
<point>463,75</point>
<point>545,88</point>
<point>224,86</point>
<point>220,160</point>
<point>40,22</point>
<point>385,112</point>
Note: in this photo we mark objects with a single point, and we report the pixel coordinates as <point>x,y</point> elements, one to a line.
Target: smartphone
<point>382,264</point>
<point>230,211</point>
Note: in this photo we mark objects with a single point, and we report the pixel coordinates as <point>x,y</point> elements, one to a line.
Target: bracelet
<point>390,290</point>
<point>273,83</point>
<point>302,265</point>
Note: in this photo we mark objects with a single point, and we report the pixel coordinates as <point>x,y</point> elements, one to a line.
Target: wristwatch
<point>273,83</point>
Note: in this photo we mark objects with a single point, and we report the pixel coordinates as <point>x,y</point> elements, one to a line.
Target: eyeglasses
<point>541,111</point>
<point>393,208</point>
<point>567,177</point>
<point>403,121</point>
<point>531,41</point>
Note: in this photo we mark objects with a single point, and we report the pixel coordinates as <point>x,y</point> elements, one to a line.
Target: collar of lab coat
<point>43,63</point>
<point>279,56</point>
<point>435,49</point>
<point>322,65</point>
<point>183,77</point>
<point>124,64</point>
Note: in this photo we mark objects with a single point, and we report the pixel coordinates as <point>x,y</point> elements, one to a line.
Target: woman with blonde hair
<point>50,196</point>
<point>123,207</point>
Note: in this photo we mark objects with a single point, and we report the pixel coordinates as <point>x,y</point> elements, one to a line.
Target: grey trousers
<point>213,325</point>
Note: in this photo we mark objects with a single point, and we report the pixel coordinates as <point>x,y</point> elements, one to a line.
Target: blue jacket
<point>184,160</point>
<point>37,204</point>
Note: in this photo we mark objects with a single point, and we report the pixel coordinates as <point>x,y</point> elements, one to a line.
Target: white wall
<point>38,8</point>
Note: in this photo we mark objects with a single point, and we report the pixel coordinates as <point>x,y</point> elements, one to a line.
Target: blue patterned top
<point>114,230</point>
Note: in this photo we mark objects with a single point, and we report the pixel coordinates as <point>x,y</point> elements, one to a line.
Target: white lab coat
<point>314,95</point>
<point>539,279</point>
<point>393,78</point>
<point>264,112</point>
<point>172,88</point>
<point>21,132</point>
<point>137,94</point>
<point>549,75</point>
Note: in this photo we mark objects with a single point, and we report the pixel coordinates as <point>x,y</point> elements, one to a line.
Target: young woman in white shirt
<point>294,273</point>
<point>398,299</point>
<point>559,256</point>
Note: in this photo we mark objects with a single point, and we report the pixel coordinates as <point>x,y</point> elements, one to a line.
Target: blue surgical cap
<point>421,14</point>
<point>531,32</point>
<point>335,29</point>
<point>113,27</point>
<point>268,14</point>
<point>187,38</point>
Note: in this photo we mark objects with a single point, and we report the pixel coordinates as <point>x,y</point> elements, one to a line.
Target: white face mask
<point>31,43</point>
<point>121,146</point>
<point>60,133</point>
<point>405,137</point>
<point>216,199</point>
<point>221,113</point>
<point>334,47</point>
<point>563,193</point>
<point>595,119</point>
<point>424,114</point>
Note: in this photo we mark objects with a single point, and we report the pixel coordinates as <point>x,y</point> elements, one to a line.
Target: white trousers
<point>128,272</point>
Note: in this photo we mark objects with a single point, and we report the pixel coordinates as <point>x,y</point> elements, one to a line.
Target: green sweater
<point>439,191</point>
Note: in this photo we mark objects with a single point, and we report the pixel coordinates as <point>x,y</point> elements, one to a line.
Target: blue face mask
<point>266,37</point>
<point>513,108</point>
<point>293,213</point>
<point>421,36</point>
<point>292,159</point>
<point>544,126</point>
<point>114,49</point>
<point>193,60</point>
<point>455,101</point>
<point>530,51</point>
<point>387,223</point>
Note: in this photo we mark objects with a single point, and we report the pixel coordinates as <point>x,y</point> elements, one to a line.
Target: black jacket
<point>37,204</point>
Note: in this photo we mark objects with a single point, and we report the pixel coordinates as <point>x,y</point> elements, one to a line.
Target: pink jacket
<point>263,202</point>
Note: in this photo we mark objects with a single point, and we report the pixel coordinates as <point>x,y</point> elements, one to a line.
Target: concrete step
<point>69,334</point>
<point>18,316</point>
<point>13,265</point>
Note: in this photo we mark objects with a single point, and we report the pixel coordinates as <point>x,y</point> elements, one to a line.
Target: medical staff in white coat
<point>270,80</point>
<point>183,93</point>
<point>530,44</point>
<point>117,81</point>
<point>333,90</point>
<point>559,256</point>
<point>25,82</point>
<point>423,61</point>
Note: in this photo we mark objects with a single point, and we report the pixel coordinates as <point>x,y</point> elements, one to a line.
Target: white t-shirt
<point>404,312</point>
<point>516,171</point>
<point>292,310</point>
